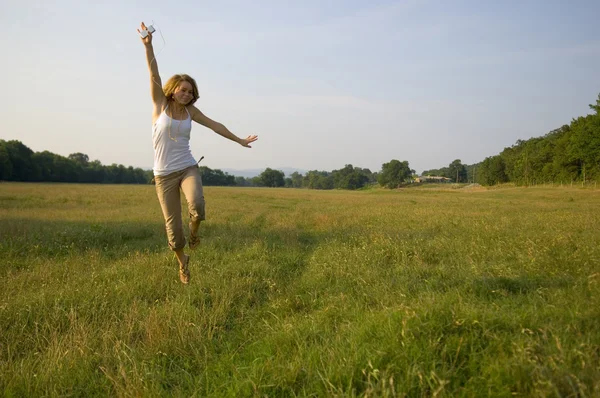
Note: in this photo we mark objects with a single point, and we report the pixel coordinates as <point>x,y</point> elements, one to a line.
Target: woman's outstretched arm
<point>158,96</point>
<point>218,128</point>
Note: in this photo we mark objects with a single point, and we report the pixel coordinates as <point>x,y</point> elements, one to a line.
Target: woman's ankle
<point>181,257</point>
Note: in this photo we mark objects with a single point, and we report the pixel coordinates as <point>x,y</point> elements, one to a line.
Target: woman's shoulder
<point>193,111</point>
<point>159,109</point>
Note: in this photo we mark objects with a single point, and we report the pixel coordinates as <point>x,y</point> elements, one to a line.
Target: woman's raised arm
<point>158,96</point>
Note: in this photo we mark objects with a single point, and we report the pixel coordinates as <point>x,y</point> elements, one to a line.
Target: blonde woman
<point>174,166</point>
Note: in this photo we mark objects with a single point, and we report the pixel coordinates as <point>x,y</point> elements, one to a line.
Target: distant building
<point>438,179</point>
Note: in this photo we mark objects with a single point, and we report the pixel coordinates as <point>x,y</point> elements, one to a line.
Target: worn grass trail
<point>417,292</point>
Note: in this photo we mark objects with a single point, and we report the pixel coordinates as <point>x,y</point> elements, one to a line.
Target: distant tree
<point>296,180</point>
<point>141,177</point>
<point>325,182</point>
<point>243,182</point>
<point>493,171</point>
<point>315,179</point>
<point>371,177</point>
<point>111,174</point>
<point>95,172</point>
<point>443,172</point>
<point>457,171</point>
<point>349,178</point>
<point>130,176</point>
<point>216,177</point>
<point>46,165</point>
<point>257,181</point>
<point>394,173</point>
<point>6,168</point>
<point>472,172</point>
<point>23,168</point>
<point>310,179</point>
<point>79,158</point>
<point>272,178</point>
<point>585,143</point>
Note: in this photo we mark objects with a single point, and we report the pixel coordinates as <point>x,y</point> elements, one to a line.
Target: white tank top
<point>171,141</point>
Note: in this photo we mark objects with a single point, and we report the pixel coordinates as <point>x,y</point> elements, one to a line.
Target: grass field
<point>415,292</point>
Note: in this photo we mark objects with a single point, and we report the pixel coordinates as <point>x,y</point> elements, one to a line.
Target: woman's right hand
<point>148,39</point>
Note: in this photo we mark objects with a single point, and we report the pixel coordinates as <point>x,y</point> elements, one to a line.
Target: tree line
<point>565,155</point>
<point>19,163</point>
<point>393,174</point>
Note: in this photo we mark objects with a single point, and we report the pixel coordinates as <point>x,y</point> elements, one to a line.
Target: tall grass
<point>416,292</point>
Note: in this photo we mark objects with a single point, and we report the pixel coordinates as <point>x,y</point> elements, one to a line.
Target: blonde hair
<point>174,82</point>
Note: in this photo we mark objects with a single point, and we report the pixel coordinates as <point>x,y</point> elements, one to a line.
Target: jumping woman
<point>174,166</point>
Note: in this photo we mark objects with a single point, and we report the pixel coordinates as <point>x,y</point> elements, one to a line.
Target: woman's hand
<point>148,39</point>
<point>248,140</point>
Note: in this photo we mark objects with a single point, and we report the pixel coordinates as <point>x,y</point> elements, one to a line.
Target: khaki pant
<point>167,190</point>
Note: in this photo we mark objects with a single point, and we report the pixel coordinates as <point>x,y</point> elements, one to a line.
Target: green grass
<point>416,292</point>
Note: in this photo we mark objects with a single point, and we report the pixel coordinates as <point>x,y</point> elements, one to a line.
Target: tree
<point>46,166</point>
<point>315,179</point>
<point>6,168</point>
<point>95,172</point>
<point>492,171</point>
<point>79,158</point>
<point>256,181</point>
<point>243,182</point>
<point>457,171</point>
<point>394,173</point>
<point>596,108</point>
<point>325,182</point>
<point>296,180</point>
<point>371,177</point>
<point>272,178</point>
<point>443,172</point>
<point>349,178</point>
<point>23,168</point>
<point>216,177</point>
<point>585,144</point>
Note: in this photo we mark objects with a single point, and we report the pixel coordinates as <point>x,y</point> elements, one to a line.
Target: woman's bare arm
<point>218,128</point>
<point>156,91</point>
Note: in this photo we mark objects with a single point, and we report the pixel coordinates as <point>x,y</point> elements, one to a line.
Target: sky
<point>323,83</point>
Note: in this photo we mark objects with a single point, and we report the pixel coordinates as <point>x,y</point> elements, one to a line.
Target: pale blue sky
<point>323,83</point>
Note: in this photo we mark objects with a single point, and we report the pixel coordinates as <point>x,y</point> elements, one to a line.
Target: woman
<point>174,165</point>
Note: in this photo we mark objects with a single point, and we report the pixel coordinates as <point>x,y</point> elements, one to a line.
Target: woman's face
<point>184,93</point>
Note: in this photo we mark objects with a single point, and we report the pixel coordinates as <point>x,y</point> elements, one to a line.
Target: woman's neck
<point>177,110</point>
<point>177,107</point>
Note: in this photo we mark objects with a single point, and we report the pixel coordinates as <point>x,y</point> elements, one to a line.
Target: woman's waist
<point>163,167</point>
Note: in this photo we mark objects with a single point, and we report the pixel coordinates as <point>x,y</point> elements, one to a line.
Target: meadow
<point>418,292</point>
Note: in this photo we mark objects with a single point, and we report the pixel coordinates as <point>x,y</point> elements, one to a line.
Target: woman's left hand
<point>148,39</point>
<point>248,140</point>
